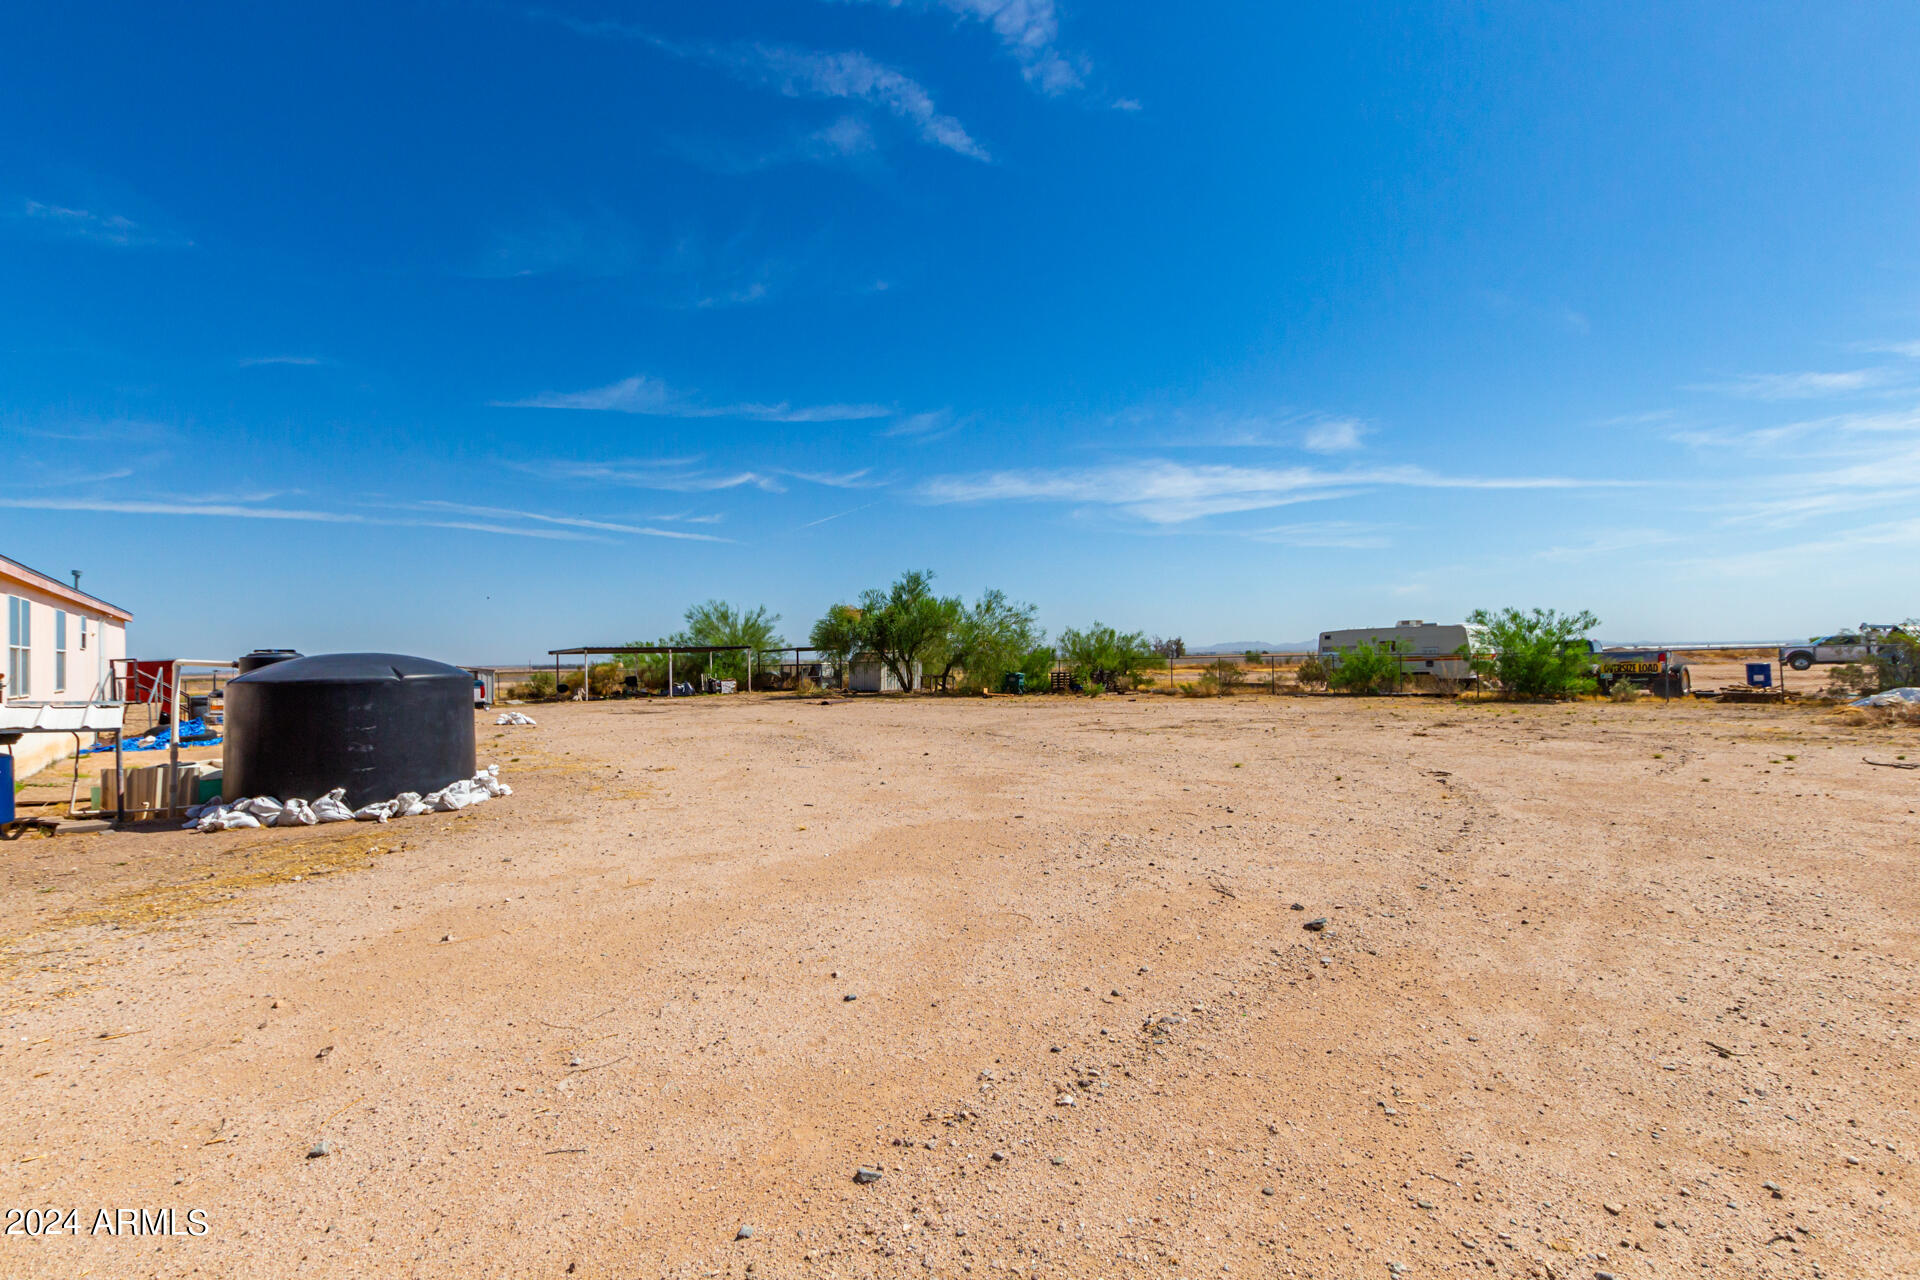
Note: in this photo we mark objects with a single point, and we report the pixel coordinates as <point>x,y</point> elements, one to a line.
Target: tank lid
<point>355,668</point>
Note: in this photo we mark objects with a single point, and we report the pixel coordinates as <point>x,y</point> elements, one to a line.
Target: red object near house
<point>149,680</point>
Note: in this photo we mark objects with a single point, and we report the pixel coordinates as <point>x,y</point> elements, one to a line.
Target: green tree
<point>1037,665</point>
<point>720,624</point>
<point>1534,654</point>
<point>989,640</point>
<point>840,634</point>
<point>1108,657</point>
<point>908,626</point>
<point>1367,668</point>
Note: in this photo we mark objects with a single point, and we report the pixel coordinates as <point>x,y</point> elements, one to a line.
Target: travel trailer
<point>1425,648</point>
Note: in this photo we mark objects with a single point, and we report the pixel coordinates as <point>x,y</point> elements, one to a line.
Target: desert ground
<point>1601,989</point>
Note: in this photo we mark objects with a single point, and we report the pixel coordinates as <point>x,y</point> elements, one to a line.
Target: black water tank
<point>264,658</point>
<point>374,723</point>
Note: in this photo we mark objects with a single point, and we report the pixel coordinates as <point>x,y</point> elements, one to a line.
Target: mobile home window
<point>59,650</point>
<point>19,647</point>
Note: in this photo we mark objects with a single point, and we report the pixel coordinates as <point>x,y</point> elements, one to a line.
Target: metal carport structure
<point>585,652</point>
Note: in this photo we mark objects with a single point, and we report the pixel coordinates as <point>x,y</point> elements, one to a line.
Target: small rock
<point>1315,925</point>
<point>1116,993</point>
<point>1853,1159</point>
<point>1066,1100</point>
<point>576,1061</point>
<point>1423,1204</point>
<point>1299,906</point>
<point>1660,1224</point>
<point>324,1052</point>
<point>999,1156</point>
<point>446,937</point>
<point>1266,1191</point>
<point>1603,1275</point>
<point>1612,1208</point>
<point>864,1175</point>
<point>745,1232</point>
<point>849,997</point>
<point>319,1149</point>
<point>1059,1160</point>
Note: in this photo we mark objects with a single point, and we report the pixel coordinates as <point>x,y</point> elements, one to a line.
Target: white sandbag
<point>377,812</point>
<point>296,813</point>
<point>410,805</point>
<point>515,717</point>
<point>332,807</point>
<point>265,808</point>
<point>223,819</point>
<point>449,798</point>
<point>488,780</point>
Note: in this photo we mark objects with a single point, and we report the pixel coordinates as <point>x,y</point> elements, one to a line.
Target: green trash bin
<point>1015,682</point>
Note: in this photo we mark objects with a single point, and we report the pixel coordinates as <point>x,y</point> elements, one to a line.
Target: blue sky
<point>479,329</point>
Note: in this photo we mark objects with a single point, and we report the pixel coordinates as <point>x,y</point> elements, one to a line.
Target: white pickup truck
<point>1845,646</point>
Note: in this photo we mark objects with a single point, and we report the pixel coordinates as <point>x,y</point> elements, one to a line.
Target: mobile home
<point>1425,648</point>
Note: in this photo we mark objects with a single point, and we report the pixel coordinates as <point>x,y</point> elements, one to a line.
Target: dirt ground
<point>1601,989</point>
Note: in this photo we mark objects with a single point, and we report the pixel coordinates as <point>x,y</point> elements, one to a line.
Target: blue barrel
<point>6,787</point>
<point>1760,675</point>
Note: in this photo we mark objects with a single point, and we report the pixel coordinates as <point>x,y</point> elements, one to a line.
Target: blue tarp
<point>193,733</point>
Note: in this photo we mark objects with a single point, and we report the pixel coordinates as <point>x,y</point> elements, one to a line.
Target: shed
<point>868,674</point>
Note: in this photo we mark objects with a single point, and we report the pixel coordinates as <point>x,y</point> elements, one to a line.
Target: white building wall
<point>87,664</point>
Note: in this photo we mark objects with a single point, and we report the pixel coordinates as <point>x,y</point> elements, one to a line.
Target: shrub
<point>1624,691</point>
<point>540,684</point>
<point>1541,654</point>
<point>1311,673</point>
<point>1367,668</point>
<point>1207,686</point>
<point>1227,675</point>
<point>1854,680</point>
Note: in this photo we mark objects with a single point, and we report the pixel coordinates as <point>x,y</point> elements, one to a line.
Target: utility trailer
<point>1434,649</point>
<point>1654,670</point>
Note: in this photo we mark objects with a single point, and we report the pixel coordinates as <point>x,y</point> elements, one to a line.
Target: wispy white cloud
<point>1608,543</point>
<point>836,515</point>
<point>100,228</point>
<point>652,397</point>
<point>254,362</point>
<point>1817,554</point>
<point>803,73</point>
<point>1334,435</point>
<point>1165,492</point>
<point>1029,30</point>
<point>202,510</point>
<point>1344,534</point>
<point>932,425</point>
<point>576,522</point>
<point>806,73</point>
<point>1803,386</point>
<point>673,476</point>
